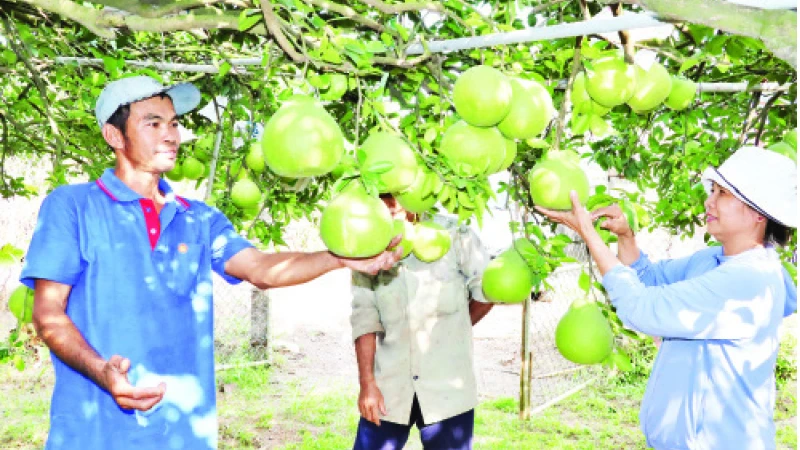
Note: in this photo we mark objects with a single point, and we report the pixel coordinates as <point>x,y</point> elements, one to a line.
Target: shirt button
<point>148,210</point>
<point>416,378</point>
<point>152,231</point>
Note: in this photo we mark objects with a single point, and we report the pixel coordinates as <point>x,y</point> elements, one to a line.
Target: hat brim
<point>185,97</point>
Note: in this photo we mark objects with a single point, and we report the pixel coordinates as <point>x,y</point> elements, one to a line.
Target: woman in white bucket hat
<point>713,384</point>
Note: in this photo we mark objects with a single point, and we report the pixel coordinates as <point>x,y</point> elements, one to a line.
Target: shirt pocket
<point>390,296</point>
<point>448,285</point>
<point>178,265</point>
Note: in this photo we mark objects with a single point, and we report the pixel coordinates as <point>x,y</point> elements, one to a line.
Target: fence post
<point>526,364</point>
<point>260,336</point>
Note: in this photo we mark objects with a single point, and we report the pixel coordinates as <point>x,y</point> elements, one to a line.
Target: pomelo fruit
<point>382,147</point>
<point>784,149</point>
<point>553,177</point>
<point>583,335</point>
<point>681,94</point>
<point>482,96</point>
<point>469,148</point>
<point>510,156</point>
<point>245,194</point>
<point>302,140</point>
<point>419,197</point>
<point>255,158</point>
<point>20,303</point>
<point>356,225</point>
<point>193,168</point>
<point>611,81</point>
<point>176,174</point>
<point>531,110</point>
<point>581,99</point>
<point>406,229</point>
<point>507,278</point>
<point>653,85</point>
<point>431,241</point>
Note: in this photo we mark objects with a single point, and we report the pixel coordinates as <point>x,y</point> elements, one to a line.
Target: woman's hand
<point>615,222</point>
<point>578,219</point>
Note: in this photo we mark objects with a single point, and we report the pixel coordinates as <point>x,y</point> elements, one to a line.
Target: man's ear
<point>113,136</point>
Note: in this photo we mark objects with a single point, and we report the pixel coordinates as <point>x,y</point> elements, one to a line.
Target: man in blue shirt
<point>122,274</point>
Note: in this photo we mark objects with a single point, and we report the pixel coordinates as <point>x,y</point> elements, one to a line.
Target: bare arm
<point>370,399</point>
<point>478,310</point>
<point>62,337</point>
<point>270,270</point>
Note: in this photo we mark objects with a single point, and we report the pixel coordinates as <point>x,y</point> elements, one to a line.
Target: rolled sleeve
<point>473,260</point>
<point>54,252</point>
<point>364,318</point>
<point>225,243</point>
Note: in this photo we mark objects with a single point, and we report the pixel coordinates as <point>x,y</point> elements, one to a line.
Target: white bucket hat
<point>185,96</point>
<point>764,180</point>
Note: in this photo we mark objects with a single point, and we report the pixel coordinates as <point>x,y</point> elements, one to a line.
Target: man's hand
<point>615,222</point>
<point>115,380</point>
<point>578,219</point>
<point>384,261</point>
<point>370,403</point>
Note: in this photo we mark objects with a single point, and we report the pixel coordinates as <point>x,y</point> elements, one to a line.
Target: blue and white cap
<point>185,96</point>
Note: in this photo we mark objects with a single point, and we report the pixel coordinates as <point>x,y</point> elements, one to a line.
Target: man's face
<point>152,137</point>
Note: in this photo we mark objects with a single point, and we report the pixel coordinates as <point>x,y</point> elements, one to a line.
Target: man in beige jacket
<point>412,327</point>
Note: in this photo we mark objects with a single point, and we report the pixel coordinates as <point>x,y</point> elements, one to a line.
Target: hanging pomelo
<point>419,197</point>
<point>531,110</point>
<point>553,177</point>
<point>356,225</point>
<point>431,241</point>
<point>302,140</point>
<point>510,156</point>
<point>245,194</point>
<point>507,278</point>
<point>469,149</point>
<point>176,174</point>
<point>192,168</point>
<point>482,96</point>
<point>582,101</point>
<point>653,85</point>
<point>406,229</point>
<point>681,93</point>
<point>610,81</point>
<point>583,335</point>
<point>255,158</point>
<point>382,147</point>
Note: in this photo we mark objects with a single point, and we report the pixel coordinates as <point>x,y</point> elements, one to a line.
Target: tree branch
<point>84,15</point>
<point>765,114</point>
<point>624,35</point>
<point>404,7</point>
<point>160,8</point>
<point>539,8</point>
<point>350,13</point>
<point>274,28</point>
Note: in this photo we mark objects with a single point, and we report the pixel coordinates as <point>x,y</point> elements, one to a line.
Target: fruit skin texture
<point>611,81</point>
<point>302,140</point>
<point>419,197</point>
<point>784,149</point>
<point>406,229</point>
<point>469,148</point>
<point>582,100</point>
<point>531,110</point>
<point>356,225</point>
<point>552,179</point>
<point>245,194</point>
<point>192,168</point>
<point>20,303</point>
<point>510,156</point>
<point>583,335</point>
<point>652,88</point>
<point>387,147</point>
<point>507,278</point>
<point>482,96</point>
<point>431,241</point>
<point>255,158</point>
<point>176,174</point>
<point>681,94</point>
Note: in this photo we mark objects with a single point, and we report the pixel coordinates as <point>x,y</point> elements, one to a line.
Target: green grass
<point>255,412</point>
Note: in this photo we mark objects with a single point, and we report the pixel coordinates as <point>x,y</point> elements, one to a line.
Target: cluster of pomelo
<point>787,146</point>
<point>609,81</point>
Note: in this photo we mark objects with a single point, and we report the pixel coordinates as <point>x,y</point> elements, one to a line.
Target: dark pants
<point>454,433</point>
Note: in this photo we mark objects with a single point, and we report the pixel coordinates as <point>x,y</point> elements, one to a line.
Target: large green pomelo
<point>419,197</point>
<point>510,156</point>
<point>482,96</point>
<point>583,335</point>
<point>255,158</point>
<point>245,194</point>
<point>302,140</point>
<point>193,168</point>
<point>406,229</point>
<point>652,87</point>
<point>431,241</point>
<point>381,147</point>
<point>470,148</point>
<point>531,110</point>
<point>611,81</point>
<point>507,278</point>
<point>552,179</point>
<point>784,149</point>
<point>582,101</point>
<point>176,174</point>
<point>681,93</point>
<point>356,225</point>
<point>21,304</point>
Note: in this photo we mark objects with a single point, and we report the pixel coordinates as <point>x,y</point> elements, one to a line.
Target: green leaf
<point>379,167</point>
<point>246,22</point>
<point>585,282</point>
<point>375,47</point>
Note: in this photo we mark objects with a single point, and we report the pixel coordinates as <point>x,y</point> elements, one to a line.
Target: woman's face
<point>727,216</point>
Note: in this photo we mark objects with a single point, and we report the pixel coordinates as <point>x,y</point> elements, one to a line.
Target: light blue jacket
<point>713,385</point>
